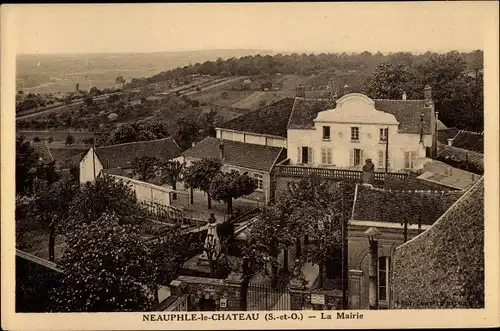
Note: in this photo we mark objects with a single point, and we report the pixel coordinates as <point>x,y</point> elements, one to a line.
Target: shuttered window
<point>355,157</point>
<point>326,156</point>
<point>299,155</point>
<point>309,155</point>
<point>381,159</point>
<point>410,159</point>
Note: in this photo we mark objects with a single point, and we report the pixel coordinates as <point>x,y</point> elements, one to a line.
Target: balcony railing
<point>299,171</point>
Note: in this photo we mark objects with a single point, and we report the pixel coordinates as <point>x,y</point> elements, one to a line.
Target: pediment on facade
<point>356,108</point>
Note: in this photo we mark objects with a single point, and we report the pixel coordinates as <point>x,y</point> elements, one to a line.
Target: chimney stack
<point>301,91</point>
<point>368,172</point>
<point>221,149</point>
<point>404,95</point>
<point>428,96</point>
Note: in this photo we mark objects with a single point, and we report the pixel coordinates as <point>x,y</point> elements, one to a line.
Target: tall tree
<point>145,167</point>
<point>121,80</point>
<point>107,268</point>
<point>27,161</point>
<point>201,174</point>
<point>228,186</point>
<point>388,81</point>
<point>172,173</point>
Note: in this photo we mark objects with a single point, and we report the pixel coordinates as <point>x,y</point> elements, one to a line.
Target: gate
<point>264,297</point>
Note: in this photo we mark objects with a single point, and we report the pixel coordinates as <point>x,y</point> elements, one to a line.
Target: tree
<point>47,172</point>
<point>107,268</point>
<point>188,132</point>
<point>51,206</point>
<point>201,174</point>
<point>228,186</point>
<point>121,80</point>
<point>388,81</point>
<point>50,140</point>
<point>145,167</point>
<point>172,173</point>
<point>36,139</point>
<point>105,194</point>
<point>70,140</point>
<point>27,160</point>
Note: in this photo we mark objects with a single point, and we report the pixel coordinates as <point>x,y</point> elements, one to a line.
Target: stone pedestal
<point>355,278</point>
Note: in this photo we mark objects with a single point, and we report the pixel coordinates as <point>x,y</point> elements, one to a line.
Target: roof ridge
<point>413,100</point>
<point>436,192</point>
<point>472,132</point>
<point>134,142</point>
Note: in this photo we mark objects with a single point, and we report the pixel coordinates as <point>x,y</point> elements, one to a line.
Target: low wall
<point>146,191</point>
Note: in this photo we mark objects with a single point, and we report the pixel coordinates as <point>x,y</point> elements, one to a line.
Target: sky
<point>281,27</point>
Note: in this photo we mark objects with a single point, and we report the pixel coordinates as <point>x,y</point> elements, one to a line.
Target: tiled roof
<point>271,120</point>
<point>461,158</point>
<point>43,151</point>
<point>444,135</point>
<point>395,183</point>
<point>373,204</point>
<point>304,111</point>
<point>471,141</point>
<point>440,125</point>
<point>407,113</point>
<point>252,156</point>
<point>122,155</point>
<point>444,266</point>
<point>440,172</point>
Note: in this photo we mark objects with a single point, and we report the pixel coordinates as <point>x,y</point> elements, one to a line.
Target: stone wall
<point>145,191</point>
<point>219,290</point>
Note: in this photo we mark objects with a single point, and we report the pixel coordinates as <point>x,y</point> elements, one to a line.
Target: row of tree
<point>302,64</point>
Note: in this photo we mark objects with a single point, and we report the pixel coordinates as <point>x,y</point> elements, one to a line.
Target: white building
<point>357,129</point>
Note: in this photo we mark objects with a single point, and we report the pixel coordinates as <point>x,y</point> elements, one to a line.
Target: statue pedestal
<point>203,260</point>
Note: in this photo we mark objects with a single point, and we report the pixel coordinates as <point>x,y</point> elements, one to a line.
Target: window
<point>260,181</point>
<point>304,155</point>
<point>383,134</point>
<point>326,133</point>
<point>354,133</point>
<point>356,157</point>
<point>383,279</point>
<point>326,156</point>
<point>410,159</point>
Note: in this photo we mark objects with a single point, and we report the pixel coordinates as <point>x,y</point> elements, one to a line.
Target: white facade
<point>354,131</point>
<point>251,138</point>
<point>88,172</point>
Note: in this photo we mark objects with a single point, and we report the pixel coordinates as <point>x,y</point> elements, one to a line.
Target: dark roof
<point>304,111</point>
<point>43,151</point>
<point>122,155</point>
<point>271,120</point>
<point>444,266</point>
<point>471,141</point>
<point>395,183</point>
<point>461,158</point>
<point>444,135</point>
<point>372,204</point>
<point>252,156</point>
<point>407,113</point>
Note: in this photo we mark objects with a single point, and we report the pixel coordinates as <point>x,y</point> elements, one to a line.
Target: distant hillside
<point>60,73</point>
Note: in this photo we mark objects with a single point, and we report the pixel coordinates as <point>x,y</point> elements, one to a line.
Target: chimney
<point>347,89</point>
<point>301,91</point>
<point>450,141</point>
<point>368,172</point>
<point>221,149</point>
<point>404,95</point>
<point>428,96</point>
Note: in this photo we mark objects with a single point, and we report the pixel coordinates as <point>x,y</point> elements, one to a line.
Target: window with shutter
<point>407,160</point>
<point>323,155</point>
<point>329,156</point>
<point>360,157</point>
<point>413,156</point>
<point>381,159</point>
<point>299,155</point>
<point>351,158</point>
<point>310,155</point>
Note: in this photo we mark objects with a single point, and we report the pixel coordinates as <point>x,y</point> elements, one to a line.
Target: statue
<point>369,172</point>
<point>211,247</point>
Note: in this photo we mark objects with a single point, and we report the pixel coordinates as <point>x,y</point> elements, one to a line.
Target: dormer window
<point>355,133</point>
<point>383,134</point>
<point>326,133</point>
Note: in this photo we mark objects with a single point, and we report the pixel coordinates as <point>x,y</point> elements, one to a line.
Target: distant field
<point>257,99</point>
<point>56,135</point>
<point>60,73</point>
